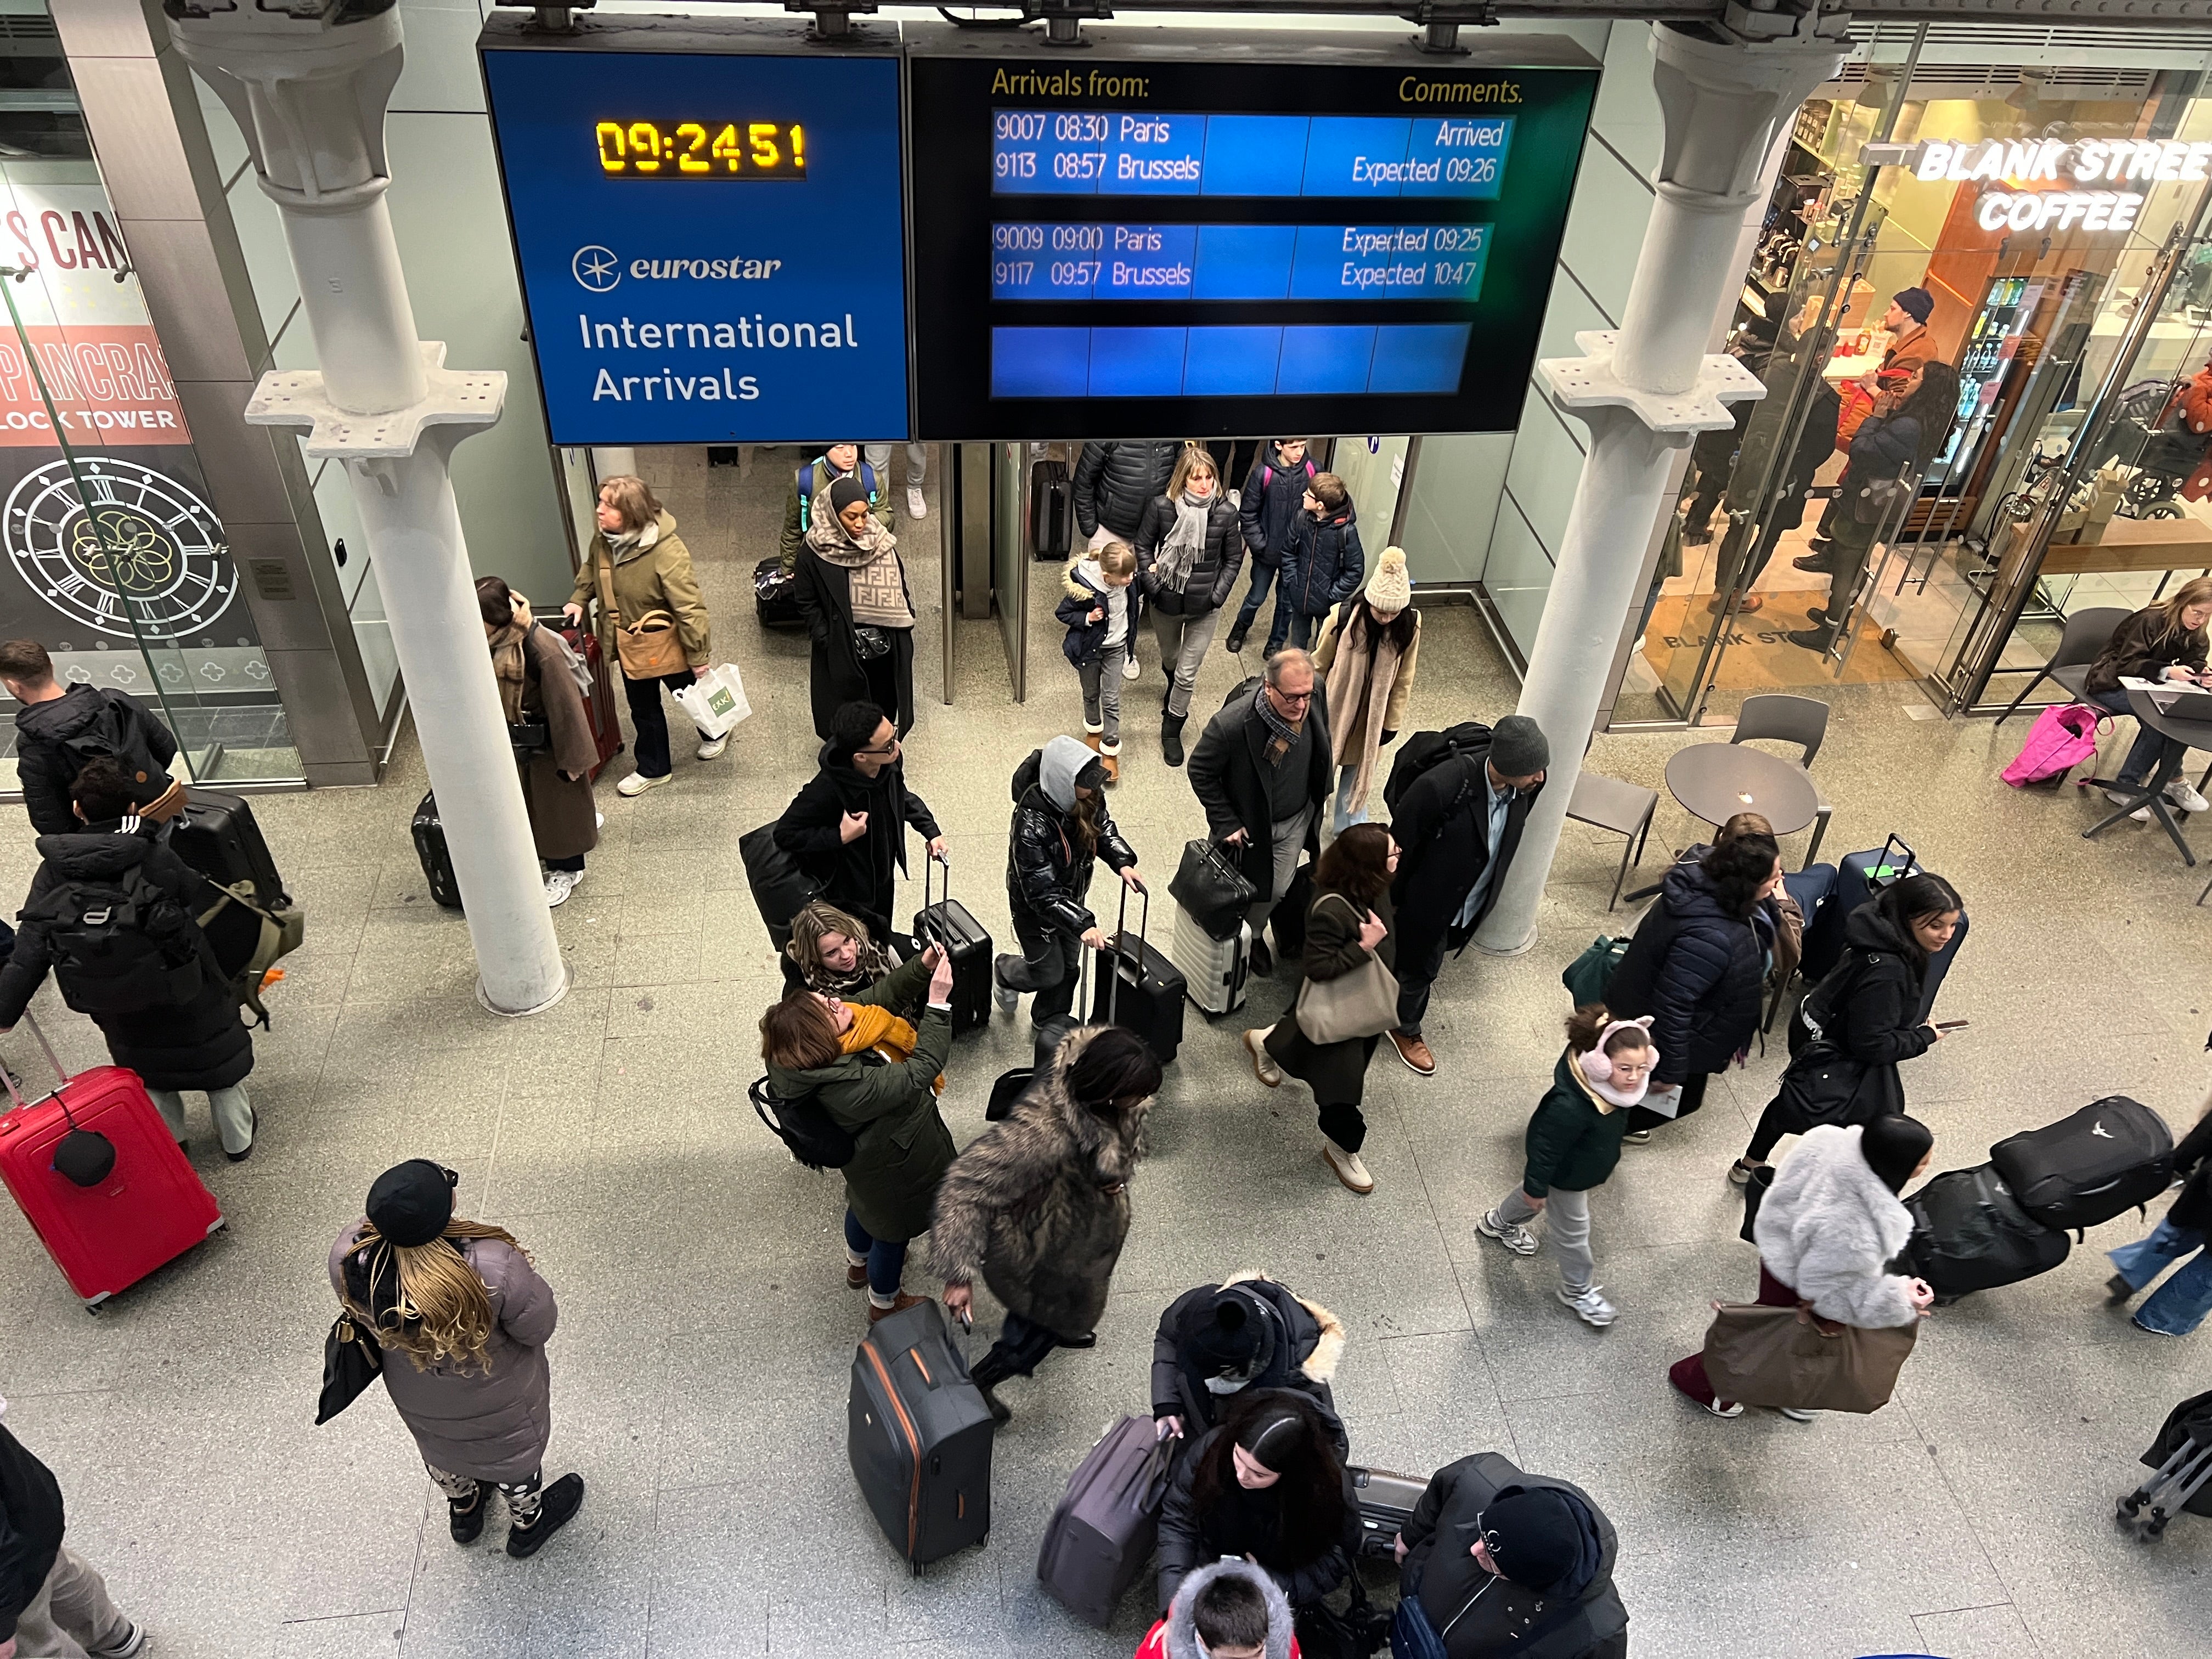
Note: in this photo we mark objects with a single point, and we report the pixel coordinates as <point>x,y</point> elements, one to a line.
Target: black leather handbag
<point>1210,889</point>
<point>352,1359</point>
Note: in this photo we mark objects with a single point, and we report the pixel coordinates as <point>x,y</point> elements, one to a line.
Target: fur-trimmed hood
<point>1320,1364</point>
<point>1181,1627</point>
<point>1037,1206</point>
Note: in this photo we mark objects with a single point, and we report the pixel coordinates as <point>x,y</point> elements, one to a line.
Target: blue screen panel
<point>1418,358</point>
<point>1040,363</point>
<point>1137,362</point>
<point>1255,154</point>
<point>1155,155</point>
<point>1146,262</point>
<point>1325,358</point>
<point>1244,262</point>
<point>1355,155</point>
<point>1231,363</point>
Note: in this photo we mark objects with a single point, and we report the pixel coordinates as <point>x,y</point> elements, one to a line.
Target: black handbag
<point>870,642</point>
<point>352,1359</point>
<point>528,737</point>
<point>1824,1085</point>
<point>1210,889</point>
<point>781,889</point>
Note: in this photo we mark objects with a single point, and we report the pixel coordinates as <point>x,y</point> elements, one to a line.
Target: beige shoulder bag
<point>1362,1003</point>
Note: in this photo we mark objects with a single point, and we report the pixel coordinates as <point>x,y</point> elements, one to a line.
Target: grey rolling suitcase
<point>919,1437</point>
<point>1386,1503</point>
<point>1215,970</point>
<point>1102,1535</point>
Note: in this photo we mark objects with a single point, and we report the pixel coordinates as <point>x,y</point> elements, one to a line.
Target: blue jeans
<point>1344,817</point>
<point>886,1256</point>
<point>2143,757</point>
<point>2182,1302</point>
<point>1279,625</point>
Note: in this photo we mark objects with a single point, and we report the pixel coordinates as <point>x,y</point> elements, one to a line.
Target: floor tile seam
<point>1977,1607</point>
<point>1428,1198</point>
<point>1966,1509</point>
<point>332,1617</point>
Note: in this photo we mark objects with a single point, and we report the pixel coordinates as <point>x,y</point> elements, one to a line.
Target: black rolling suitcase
<point>430,848</point>
<point>2114,1154</point>
<point>1144,991</point>
<point>216,835</point>
<point>1860,877</point>
<point>1969,1233</point>
<point>948,923</point>
<point>919,1437</point>
<point>2182,1456</point>
<point>1052,510</point>
<point>775,597</point>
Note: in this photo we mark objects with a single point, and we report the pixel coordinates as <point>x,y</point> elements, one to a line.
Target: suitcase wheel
<point>2129,1506</point>
<point>2158,1519</point>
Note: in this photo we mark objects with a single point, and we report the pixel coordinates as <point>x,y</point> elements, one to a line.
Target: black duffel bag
<point>1210,889</point>
<point>781,889</point>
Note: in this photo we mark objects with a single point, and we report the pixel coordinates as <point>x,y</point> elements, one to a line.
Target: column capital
<point>1584,386</point>
<point>1722,95</point>
<point>297,397</point>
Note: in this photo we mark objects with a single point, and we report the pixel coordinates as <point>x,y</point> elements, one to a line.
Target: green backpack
<point>1587,976</point>
<point>278,933</point>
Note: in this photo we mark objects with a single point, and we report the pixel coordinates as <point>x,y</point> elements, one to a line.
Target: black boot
<point>1236,643</point>
<point>1822,564</point>
<point>554,1510</point>
<point>1000,1411</point>
<point>1171,739</point>
<point>2117,1290</point>
<point>466,1520</point>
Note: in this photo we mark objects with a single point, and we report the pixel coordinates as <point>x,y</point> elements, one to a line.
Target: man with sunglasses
<point>847,828</point>
<point>1498,1562</point>
<point>1261,772</point>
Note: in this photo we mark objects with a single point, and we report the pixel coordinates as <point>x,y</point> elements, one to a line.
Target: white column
<point>614,463</point>
<point>310,97</point>
<point>1647,389</point>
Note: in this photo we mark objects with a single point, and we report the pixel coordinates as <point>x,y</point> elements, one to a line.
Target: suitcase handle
<point>53,1060</point>
<point>1876,880</point>
<point>1144,920</point>
<point>926,861</point>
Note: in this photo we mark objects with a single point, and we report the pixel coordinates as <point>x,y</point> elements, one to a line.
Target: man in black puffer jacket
<point>52,1601</point>
<point>1060,828</point>
<point>58,728</point>
<point>1116,482</point>
<point>1695,966</point>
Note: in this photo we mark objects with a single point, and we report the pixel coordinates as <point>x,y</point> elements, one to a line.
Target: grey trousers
<point>1569,1229</point>
<point>1184,641</point>
<point>1289,835</point>
<point>879,457</point>
<point>233,1112</point>
<point>69,1615</point>
<point>1101,693</point>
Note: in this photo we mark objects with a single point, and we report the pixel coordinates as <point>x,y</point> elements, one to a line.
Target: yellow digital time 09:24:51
<point>696,150</point>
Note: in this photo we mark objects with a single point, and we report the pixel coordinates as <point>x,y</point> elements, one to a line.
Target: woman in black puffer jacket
<point>1695,966</point>
<point>1060,828</point>
<point>1189,547</point>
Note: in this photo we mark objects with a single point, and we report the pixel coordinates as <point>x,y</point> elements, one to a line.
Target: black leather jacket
<point>1115,480</point>
<point>1047,866</point>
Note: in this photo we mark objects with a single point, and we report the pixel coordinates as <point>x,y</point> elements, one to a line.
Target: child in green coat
<point>1573,1142</point>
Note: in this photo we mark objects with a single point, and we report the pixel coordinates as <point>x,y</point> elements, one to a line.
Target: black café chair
<point>2085,635</point>
<point>1788,719</point>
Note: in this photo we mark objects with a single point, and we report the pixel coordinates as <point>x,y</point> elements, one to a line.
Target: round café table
<point>1717,781</point>
<point>2181,736</point>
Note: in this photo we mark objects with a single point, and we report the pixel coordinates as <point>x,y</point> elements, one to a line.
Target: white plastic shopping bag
<point>716,700</point>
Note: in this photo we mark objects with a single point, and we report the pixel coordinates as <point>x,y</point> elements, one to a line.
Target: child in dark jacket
<point>1323,564</point>
<point>1269,508</point>
<point>1098,614</point>
<point>1573,1143</point>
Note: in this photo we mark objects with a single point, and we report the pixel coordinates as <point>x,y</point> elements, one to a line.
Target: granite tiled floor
<point>701,1358</point>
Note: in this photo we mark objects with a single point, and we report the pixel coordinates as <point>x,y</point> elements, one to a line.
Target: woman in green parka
<point>878,1078</point>
<point>1573,1142</point>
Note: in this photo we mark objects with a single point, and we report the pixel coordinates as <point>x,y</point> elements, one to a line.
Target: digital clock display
<point>702,150</point>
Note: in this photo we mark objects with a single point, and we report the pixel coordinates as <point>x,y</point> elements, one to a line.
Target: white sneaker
<point>710,747</point>
<point>1637,1137</point>
<point>1008,1001</point>
<point>1348,1168</point>
<point>916,507</point>
<point>1514,1236</point>
<point>600,820</point>
<point>2183,793</point>
<point>1591,1308</point>
<point>1726,1408</point>
<point>1263,1063</point>
<point>1796,1416</point>
<point>637,783</point>
<point>2121,796</point>
<point>559,883</point>
<point>2140,815</point>
<point>1130,668</point>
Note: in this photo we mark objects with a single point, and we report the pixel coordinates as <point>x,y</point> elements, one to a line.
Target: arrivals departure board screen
<point>1195,242</point>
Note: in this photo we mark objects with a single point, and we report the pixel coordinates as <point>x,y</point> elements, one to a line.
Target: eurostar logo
<point>596,268</point>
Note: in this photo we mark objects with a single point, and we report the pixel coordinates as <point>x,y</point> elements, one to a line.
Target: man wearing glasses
<point>1261,772</point>
<point>847,828</point>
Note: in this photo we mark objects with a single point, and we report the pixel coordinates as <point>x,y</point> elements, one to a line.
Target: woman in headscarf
<point>1189,546</point>
<point>551,729</point>
<point>852,587</point>
<point>459,1303</point>
<point>1827,1231</point>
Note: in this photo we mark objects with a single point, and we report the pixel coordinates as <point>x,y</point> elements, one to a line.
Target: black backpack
<point>120,946</point>
<point>114,736</point>
<point>808,1132</point>
<point>1424,750</point>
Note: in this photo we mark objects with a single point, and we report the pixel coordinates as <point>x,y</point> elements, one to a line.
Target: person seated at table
<point>2162,642</point>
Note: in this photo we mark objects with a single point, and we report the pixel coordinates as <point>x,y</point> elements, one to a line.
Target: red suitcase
<point>606,720</point>
<point>150,1210</point>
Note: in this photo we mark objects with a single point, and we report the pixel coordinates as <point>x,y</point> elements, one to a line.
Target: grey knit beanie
<point>1518,747</point>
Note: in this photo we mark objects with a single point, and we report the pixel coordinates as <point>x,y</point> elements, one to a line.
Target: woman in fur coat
<point>1827,1231</point>
<point>1037,1206</point>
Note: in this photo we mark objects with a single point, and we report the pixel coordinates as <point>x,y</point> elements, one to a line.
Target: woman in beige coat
<point>652,619</point>
<point>554,745</point>
<point>1369,647</point>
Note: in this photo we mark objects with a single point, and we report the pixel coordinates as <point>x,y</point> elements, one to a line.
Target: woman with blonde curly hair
<point>830,951</point>
<point>459,1303</point>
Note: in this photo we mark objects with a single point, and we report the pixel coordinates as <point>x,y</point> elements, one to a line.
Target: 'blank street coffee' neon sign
<point>2027,163</point>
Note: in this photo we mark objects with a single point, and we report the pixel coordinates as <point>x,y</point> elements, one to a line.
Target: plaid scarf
<point>1282,733</point>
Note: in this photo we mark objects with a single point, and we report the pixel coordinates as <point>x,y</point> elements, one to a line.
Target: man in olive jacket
<point>1262,771</point>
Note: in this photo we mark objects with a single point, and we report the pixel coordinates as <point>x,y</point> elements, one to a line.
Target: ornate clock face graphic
<point>138,534</point>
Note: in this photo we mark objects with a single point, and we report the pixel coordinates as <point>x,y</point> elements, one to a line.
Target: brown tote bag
<point>1767,1356</point>
<point>649,650</point>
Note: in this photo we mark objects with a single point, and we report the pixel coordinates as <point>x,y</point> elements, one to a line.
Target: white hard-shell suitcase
<point>1215,971</point>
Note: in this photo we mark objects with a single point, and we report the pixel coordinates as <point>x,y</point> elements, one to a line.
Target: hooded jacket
<point>30,1528</point>
<point>1322,562</point>
<point>1190,1536</point>
<point>858,874</point>
<point>1211,577</point>
<point>1868,1004</point>
<point>654,572</point>
<point>1047,866</point>
<point>902,1148</point>
<point>1087,591</point>
<point>1116,480</point>
<point>1581,1617</point>
<point>53,740</point>
<point>1175,1636</point>
<point>1828,1228</point>
<point>1037,1206</point>
<point>1307,1341</point>
<point>1696,971</point>
<point>1270,508</point>
<point>198,1044</point>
